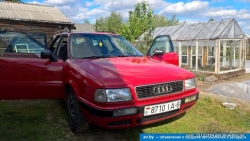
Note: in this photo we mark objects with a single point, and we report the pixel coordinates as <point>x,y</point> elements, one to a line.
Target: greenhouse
<point>214,47</point>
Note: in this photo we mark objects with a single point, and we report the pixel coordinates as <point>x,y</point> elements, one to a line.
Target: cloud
<point>116,5</point>
<point>181,8</point>
<point>230,13</point>
<point>221,13</point>
<point>191,11</point>
<point>59,2</point>
<point>104,7</point>
<point>35,2</point>
<point>94,13</point>
<point>218,1</point>
<point>246,0</point>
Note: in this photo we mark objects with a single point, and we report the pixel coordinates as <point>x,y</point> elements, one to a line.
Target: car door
<point>164,43</point>
<point>23,74</point>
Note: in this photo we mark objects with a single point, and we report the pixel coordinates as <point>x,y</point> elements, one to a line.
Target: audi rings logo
<point>162,89</point>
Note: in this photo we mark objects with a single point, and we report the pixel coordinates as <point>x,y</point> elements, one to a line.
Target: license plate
<point>162,108</point>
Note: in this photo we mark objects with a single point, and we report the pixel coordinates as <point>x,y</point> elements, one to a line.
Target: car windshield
<point>87,46</point>
<point>16,42</point>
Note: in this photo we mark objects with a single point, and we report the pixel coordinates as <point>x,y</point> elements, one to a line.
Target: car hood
<point>135,71</point>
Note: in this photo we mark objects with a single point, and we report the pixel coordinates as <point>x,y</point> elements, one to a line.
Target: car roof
<point>102,33</point>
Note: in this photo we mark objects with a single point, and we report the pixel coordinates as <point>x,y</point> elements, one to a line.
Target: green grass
<point>47,120</point>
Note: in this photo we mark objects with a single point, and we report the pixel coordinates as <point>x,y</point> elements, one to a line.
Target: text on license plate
<point>162,108</point>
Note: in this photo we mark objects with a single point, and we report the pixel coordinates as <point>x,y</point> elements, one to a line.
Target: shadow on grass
<point>47,120</point>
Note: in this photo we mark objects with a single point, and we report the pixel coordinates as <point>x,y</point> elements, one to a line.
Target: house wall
<point>33,27</point>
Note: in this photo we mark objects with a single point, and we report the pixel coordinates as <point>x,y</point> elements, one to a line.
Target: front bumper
<point>105,118</point>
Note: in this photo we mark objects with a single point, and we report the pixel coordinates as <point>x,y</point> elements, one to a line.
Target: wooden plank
<point>189,56</point>
<point>205,56</point>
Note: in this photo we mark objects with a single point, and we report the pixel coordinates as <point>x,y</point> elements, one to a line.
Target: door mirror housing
<point>48,55</point>
<point>157,52</point>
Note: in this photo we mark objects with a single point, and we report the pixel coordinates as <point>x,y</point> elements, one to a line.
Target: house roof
<point>225,29</point>
<point>80,27</point>
<point>32,12</point>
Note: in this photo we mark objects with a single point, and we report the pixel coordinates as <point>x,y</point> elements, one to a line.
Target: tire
<point>77,123</point>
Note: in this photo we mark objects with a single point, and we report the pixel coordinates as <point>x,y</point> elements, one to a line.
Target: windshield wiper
<point>95,57</point>
<point>123,56</point>
<point>128,55</point>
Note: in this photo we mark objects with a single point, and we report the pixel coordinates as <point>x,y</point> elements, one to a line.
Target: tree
<point>86,21</point>
<point>159,21</point>
<point>112,22</point>
<point>211,19</point>
<point>173,21</point>
<point>140,20</point>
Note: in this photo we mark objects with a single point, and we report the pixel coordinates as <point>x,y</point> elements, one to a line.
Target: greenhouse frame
<point>216,47</point>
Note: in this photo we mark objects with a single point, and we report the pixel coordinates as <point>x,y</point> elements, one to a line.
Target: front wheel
<point>77,123</point>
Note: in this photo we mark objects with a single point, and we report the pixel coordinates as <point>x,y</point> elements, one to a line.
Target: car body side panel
<point>24,77</point>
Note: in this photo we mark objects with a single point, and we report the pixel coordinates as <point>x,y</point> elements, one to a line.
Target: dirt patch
<point>203,85</point>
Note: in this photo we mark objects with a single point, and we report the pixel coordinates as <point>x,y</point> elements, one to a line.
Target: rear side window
<point>14,42</point>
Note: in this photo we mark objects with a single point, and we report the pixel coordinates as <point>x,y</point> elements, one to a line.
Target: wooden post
<point>224,54</point>
<point>189,56</point>
<point>217,57</point>
<point>196,55</point>
<point>240,54</point>
<point>246,45</point>
<point>231,55</point>
<point>180,54</point>
<point>205,56</point>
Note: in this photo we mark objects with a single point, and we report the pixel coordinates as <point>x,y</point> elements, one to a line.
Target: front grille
<point>152,91</point>
<point>154,117</point>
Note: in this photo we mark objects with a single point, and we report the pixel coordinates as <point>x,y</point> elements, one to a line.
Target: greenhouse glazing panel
<point>200,57</point>
<point>207,31</point>
<point>165,32</point>
<point>173,30</point>
<point>243,55</point>
<point>179,32</point>
<point>195,31</point>
<point>228,33</point>
<point>158,31</point>
<point>229,55</point>
<point>220,28</point>
<point>189,28</point>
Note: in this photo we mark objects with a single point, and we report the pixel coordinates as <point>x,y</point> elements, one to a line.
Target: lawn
<point>30,120</point>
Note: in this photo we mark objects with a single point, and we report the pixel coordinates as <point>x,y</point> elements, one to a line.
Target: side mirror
<point>156,52</point>
<point>48,55</point>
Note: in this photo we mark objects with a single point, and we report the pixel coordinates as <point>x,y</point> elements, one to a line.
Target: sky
<point>191,11</point>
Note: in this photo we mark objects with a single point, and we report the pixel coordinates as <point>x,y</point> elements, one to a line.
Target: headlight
<point>112,95</point>
<point>189,84</point>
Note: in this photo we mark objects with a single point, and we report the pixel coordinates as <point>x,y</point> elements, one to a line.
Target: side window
<point>62,51</point>
<point>16,42</point>
<point>162,43</point>
<point>3,46</point>
<point>53,46</point>
<point>26,45</point>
